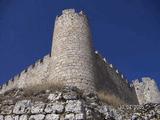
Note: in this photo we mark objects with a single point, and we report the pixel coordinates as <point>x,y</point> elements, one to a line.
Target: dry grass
<point>42,87</point>
<point>35,92</point>
<point>104,96</point>
<point>110,99</point>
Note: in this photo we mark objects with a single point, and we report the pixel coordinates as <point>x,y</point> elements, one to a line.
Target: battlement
<point>26,78</point>
<point>114,68</point>
<point>110,79</point>
<point>72,11</point>
<point>20,80</point>
<point>68,11</point>
<point>69,19</point>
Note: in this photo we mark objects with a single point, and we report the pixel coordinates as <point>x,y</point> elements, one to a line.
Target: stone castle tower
<point>73,62</point>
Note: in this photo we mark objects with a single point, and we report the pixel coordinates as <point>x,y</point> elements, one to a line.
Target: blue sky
<point>126,32</point>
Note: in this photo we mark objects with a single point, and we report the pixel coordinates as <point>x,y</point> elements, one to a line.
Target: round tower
<point>72,55</point>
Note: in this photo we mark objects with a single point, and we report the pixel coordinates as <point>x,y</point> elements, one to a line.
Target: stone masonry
<point>147,90</point>
<point>74,62</point>
<point>69,104</point>
<point>72,53</point>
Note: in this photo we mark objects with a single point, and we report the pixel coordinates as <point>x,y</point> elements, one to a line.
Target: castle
<point>74,62</point>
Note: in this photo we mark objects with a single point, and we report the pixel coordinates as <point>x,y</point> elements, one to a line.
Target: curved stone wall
<point>72,53</point>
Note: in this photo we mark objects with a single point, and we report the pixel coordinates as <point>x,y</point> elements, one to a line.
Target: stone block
<point>37,107</point>
<point>37,117</point>
<point>52,117</point>
<point>11,117</point>
<point>69,116</point>
<point>23,117</point>
<point>8,102</point>
<point>22,107</point>
<point>74,106</point>
<point>55,96</point>
<point>57,107</point>
<point>79,116</point>
<point>6,110</point>
<point>1,117</point>
<point>71,95</point>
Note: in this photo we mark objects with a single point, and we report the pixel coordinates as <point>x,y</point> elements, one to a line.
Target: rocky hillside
<point>69,104</point>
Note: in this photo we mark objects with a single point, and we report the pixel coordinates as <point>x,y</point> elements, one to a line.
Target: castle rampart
<point>110,80</point>
<point>35,74</point>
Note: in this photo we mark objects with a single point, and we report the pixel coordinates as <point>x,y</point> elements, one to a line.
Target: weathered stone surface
<point>70,94</point>
<point>74,106</point>
<point>69,116</point>
<point>37,107</point>
<point>88,113</point>
<point>52,117</point>
<point>7,109</point>
<point>72,54</point>
<point>56,107</point>
<point>85,107</point>
<point>1,117</point>
<point>80,116</point>
<point>55,96</point>
<point>37,117</point>
<point>106,111</point>
<point>147,90</point>
<point>22,107</point>
<point>8,102</point>
<point>23,117</point>
<point>142,112</point>
<point>11,117</point>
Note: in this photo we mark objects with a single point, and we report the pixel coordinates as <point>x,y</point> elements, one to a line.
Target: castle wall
<point>147,91</point>
<point>72,53</point>
<point>108,78</point>
<point>39,74</point>
<point>111,81</point>
<point>35,74</point>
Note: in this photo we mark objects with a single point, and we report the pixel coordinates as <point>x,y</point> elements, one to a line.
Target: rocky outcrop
<point>69,104</point>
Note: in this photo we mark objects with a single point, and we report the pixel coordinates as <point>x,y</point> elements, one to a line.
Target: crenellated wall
<point>33,75</point>
<point>112,81</point>
<point>109,79</point>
